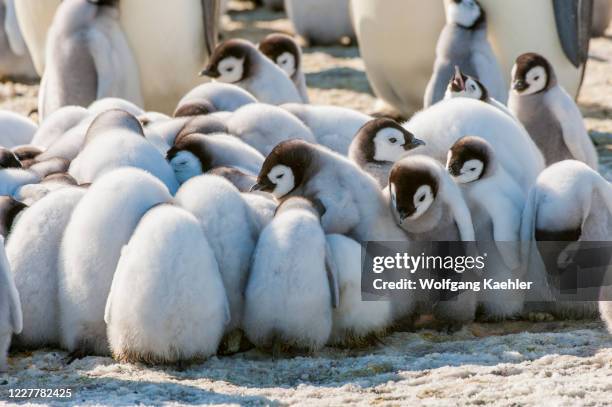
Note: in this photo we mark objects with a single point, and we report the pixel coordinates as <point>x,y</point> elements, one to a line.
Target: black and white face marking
<point>229,62</point>
<point>468,159</point>
<point>464,13</point>
<point>413,190</point>
<point>185,166</point>
<point>383,140</point>
<point>189,157</point>
<point>285,168</point>
<point>462,85</point>
<point>530,74</point>
<point>283,51</point>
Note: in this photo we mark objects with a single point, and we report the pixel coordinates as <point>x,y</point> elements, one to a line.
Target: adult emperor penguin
<point>88,57</point>
<point>557,29</point>
<point>496,204</point>
<point>11,318</point>
<point>90,251</point>
<point>548,113</point>
<point>293,283</point>
<point>167,303</point>
<point>462,85</point>
<point>321,22</point>
<point>378,145</point>
<point>168,58</point>
<point>285,52</point>
<point>333,126</point>
<point>241,63</point>
<point>232,238</point>
<point>15,61</point>
<point>570,203</point>
<point>463,42</point>
<point>349,199</point>
<point>33,252</point>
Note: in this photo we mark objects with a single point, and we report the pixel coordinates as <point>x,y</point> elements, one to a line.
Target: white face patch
<point>470,172</point>
<point>464,14</point>
<point>286,62</point>
<point>472,90</point>
<point>389,145</point>
<point>422,199</point>
<point>230,70</point>
<point>536,79</point>
<point>185,166</point>
<point>283,179</point>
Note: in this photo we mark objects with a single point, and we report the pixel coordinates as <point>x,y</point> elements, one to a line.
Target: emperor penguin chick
<point>167,303</point>
<point>292,286</point>
<point>463,42</point>
<point>11,318</point>
<point>496,204</point>
<point>17,130</point>
<point>334,127</point>
<point>90,251</point>
<point>195,154</point>
<point>354,321</point>
<point>33,252</point>
<point>87,57</point>
<point>239,62</point>
<point>57,123</point>
<point>462,85</point>
<point>570,203</point>
<point>213,96</point>
<point>378,145</point>
<point>225,218</point>
<point>285,52</point>
<point>548,112</point>
<point>350,200</point>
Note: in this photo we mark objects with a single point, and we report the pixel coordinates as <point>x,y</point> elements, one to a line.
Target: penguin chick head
<point>189,157</point>
<point>469,159</point>
<point>285,168</point>
<point>194,107</point>
<point>532,73</point>
<point>111,120</point>
<point>413,188</point>
<point>283,51</point>
<point>230,62</point>
<point>461,85</point>
<point>465,13</point>
<point>8,159</point>
<point>384,140</point>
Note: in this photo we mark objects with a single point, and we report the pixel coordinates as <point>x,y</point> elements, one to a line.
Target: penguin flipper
<point>332,276</point>
<point>573,20</point>
<point>210,15</point>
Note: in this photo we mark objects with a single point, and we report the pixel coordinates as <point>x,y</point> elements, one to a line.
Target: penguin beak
<point>263,185</point>
<point>210,71</point>
<point>519,85</point>
<point>457,83</point>
<point>413,144</point>
<point>256,187</point>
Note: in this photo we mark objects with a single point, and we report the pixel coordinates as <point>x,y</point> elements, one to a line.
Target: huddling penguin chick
<point>548,112</point>
<point>354,321</point>
<point>334,127</point>
<point>285,52</point>
<point>226,219</point>
<point>349,200</point>
<point>213,96</point>
<point>321,22</point>
<point>10,208</point>
<point>17,130</point>
<point>496,204</point>
<point>101,224</point>
<point>463,42</point>
<point>12,174</point>
<point>429,206</point>
<point>116,139</point>
<point>263,126</point>
<point>102,105</point>
<point>292,285</point>
<point>11,319</point>
<point>241,180</point>
<point>88,57</point>
<point>195,154</point>
<point>33,251</point>
<point>53,127</point>
<point>466,86</point>
<point>239,62</point>
<point>378,145</point>
<point>441,125</point>
<point>569,203</point>
<point>167,303</point>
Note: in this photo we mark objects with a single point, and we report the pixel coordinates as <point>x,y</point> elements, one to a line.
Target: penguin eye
<point>536,78</point>
<point>393,140</point>
<point>473,169</point>
<point>279,176</point>
<point>421,198</point>
<point>473,87</point>
<point>230,69</point>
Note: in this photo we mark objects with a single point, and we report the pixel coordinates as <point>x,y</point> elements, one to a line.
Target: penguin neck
<point>458,40</point>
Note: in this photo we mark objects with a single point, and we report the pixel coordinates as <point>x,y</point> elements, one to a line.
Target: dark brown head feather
<point>237,48</point>
<point>295,154</point>
<point>9,209</point>
<point>470,148</point>
<point>408,177</point>
<point>26,152</point>
<point>8,159</point>
<point>525,62</point>
<point>274,45</point>
<point>196,145</point>
<point>194,107</point>
<point>364,138</point>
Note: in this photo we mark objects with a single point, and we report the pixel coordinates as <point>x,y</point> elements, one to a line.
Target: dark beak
<point>413,144</point>
<point>520,85</point>
<point>210,71</point>
<point>457,83</point>
<point>257,187</point>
